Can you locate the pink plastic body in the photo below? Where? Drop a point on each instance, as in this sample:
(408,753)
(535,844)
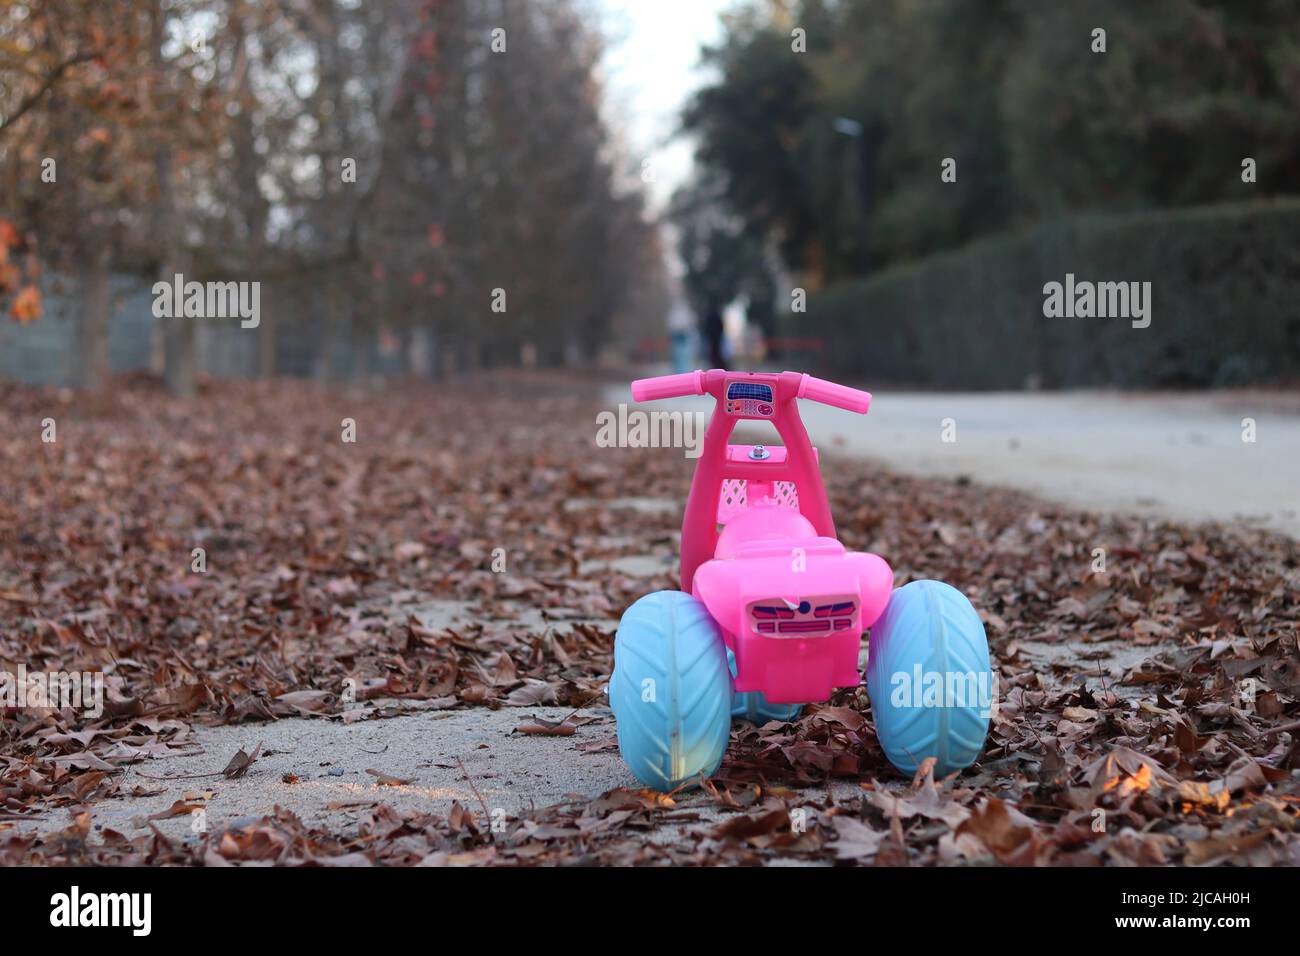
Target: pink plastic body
(791,601)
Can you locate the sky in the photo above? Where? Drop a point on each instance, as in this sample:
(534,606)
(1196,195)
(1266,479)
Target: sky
(651,67)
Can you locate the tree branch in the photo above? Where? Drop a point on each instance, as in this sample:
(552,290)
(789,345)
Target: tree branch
(50,80)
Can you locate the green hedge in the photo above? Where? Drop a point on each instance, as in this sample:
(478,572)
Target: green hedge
(1225,306)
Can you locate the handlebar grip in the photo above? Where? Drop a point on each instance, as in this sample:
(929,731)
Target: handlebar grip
(828,393)
(668,386)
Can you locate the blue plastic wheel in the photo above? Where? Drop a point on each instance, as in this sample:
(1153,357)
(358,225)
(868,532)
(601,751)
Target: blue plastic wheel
(670,690)
(754,707)
(928,676)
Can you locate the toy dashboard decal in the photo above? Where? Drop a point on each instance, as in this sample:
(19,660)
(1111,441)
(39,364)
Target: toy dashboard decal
(806,617)
(750,400)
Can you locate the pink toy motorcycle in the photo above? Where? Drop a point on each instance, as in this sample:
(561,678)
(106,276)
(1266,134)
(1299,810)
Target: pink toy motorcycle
(772,607)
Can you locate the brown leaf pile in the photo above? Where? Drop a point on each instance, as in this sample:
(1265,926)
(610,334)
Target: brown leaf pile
(1147,714)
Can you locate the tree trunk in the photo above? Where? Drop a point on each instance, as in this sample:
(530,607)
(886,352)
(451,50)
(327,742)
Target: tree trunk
(179,340)
(265,341)
(95,314)
(360,351)
(253,206)
(323,362)
(178,331)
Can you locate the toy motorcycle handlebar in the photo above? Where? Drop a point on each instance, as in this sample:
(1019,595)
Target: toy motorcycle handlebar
(840,396)
(668,386)
(699,382)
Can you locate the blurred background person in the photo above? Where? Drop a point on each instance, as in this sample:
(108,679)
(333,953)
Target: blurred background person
(681,334)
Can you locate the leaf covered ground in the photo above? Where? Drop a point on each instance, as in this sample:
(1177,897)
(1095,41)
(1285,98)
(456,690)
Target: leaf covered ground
(1148,714)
